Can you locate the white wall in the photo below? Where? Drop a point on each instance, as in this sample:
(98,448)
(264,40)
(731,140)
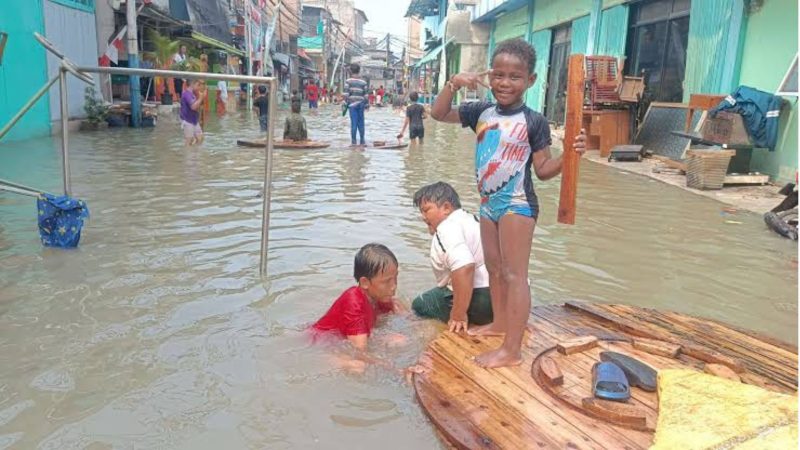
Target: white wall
(74,33)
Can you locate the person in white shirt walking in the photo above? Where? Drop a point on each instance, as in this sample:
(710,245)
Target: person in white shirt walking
(461,296)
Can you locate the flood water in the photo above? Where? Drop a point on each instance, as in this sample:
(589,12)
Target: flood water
(157,332)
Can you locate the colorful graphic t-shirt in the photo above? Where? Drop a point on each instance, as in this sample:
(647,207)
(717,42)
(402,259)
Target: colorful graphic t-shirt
(351,314)
(506,142)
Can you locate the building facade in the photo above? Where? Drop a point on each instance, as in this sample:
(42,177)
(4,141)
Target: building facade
(681,47)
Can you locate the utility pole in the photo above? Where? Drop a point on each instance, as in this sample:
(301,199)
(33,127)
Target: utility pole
(133,62)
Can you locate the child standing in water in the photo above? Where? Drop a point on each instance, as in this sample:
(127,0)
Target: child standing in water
(262,103)
(510,139)
(415,113)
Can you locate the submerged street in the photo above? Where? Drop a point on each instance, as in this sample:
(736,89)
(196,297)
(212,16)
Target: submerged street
(158,331)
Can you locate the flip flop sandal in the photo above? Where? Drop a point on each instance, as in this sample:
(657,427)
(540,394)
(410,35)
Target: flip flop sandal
(609,382)
(638,373)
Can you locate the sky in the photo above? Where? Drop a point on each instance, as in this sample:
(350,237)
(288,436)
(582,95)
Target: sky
(385,16)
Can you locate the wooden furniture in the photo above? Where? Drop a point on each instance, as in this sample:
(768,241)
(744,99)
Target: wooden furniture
(702,102)
(478,408)
(608,127)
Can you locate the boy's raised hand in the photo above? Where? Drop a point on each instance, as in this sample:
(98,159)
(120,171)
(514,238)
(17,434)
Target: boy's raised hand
(471,79)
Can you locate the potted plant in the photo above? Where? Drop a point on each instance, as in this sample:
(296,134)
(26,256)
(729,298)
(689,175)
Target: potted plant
(96,110)
(163,50)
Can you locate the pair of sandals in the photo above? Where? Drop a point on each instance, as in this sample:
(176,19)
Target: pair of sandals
(616,373)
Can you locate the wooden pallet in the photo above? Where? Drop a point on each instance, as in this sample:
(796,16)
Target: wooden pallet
(473,407)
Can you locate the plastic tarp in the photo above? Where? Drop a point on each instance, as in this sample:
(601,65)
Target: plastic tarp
(311,42)
(701,411)
(61,220)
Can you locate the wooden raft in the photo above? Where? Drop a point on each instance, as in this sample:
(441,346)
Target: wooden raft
(520,407)
(297,145)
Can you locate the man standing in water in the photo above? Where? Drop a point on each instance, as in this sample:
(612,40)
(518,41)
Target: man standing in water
(355,90)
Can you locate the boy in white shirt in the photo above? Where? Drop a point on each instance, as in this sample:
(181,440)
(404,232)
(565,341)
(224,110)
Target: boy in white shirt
(461,296)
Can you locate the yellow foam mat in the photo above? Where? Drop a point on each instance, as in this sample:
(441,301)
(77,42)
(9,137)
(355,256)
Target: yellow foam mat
(701,411)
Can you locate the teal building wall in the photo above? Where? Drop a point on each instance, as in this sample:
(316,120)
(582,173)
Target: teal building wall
(24,69)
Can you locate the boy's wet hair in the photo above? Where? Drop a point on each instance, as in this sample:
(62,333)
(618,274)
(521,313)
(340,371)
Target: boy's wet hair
(262,89)
(438,193)
(413,96)
(519,48)
(371,260)
(296,107)
(355,69)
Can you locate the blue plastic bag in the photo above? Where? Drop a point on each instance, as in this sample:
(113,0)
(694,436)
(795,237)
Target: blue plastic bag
(60,220)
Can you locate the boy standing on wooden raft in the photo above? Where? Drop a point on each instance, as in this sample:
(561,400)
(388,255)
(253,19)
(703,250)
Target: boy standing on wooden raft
(461,296)
(355,91)
(510,139)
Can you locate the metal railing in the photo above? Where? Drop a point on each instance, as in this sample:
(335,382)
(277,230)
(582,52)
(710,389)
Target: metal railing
(82,74)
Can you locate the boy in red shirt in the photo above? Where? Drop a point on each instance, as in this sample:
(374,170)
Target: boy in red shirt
(354,313)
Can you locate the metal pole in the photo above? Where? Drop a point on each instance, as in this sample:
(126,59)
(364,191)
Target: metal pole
(248,28)
(62,83)
(266,200)
(27,106)
(133,62)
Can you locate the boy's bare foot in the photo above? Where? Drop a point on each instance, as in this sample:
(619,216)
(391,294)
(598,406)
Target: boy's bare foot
(498,358)
(486,330)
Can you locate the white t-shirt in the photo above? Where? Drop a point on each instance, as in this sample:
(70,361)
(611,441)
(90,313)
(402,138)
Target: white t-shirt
(457,243)
(178,58)
(222,86)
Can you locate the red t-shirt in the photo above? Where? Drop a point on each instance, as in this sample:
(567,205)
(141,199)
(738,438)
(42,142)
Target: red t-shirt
(351,314)
(312,91)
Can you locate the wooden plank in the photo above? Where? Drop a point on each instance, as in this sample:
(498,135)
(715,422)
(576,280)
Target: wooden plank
(746,179)
(576,345)
(671,163)
(721,371)
(498,384)
(655,347)
(742,351)
(572,127)
(551,372)
(467,418)
(616,412)
(515,385)
(710,356)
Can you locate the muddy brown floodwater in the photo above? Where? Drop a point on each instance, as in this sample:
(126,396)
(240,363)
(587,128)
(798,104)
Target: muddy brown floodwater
(157,332)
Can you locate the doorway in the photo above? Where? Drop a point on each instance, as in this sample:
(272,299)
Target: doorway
(656,48)
(556,96)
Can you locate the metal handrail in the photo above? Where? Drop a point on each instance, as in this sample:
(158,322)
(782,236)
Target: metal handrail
(272,82)
(66,67)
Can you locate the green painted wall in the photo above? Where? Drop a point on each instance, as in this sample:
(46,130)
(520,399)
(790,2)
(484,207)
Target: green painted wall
(580,34)
(24,69)
(770,44)
(535,95)
(613,31)
(549,13)
(706,53)
(511,25)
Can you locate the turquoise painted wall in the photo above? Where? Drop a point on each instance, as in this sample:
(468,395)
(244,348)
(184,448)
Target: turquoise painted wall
(511,25)
(613,31)
(580,34)
(535,95)
(549,13)
(770,43)
(24,69)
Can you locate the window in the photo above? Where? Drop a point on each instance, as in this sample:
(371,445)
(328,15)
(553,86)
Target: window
(83,5)
(789,83)
(656,48)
